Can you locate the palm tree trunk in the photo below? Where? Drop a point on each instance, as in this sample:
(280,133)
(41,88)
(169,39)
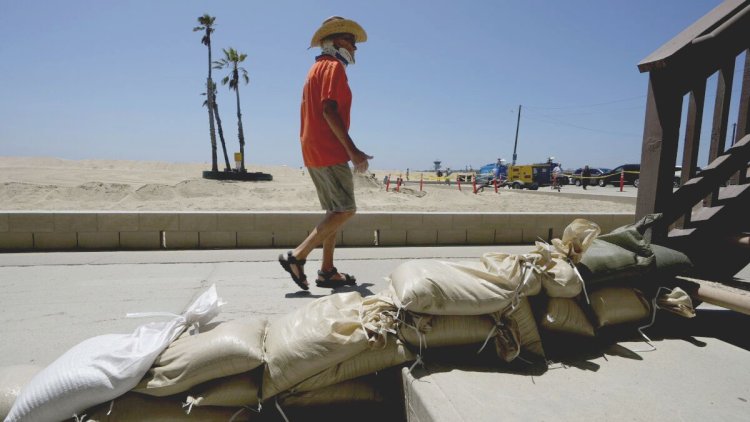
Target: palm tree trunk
(240,133)
(210,98)
(221,136)
(209,88)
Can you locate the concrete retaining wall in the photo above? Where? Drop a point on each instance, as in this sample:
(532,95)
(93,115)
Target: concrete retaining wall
(35,231)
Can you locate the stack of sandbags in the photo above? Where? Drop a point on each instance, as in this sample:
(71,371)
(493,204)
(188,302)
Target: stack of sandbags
(332,343)
(12,379)
(217,367)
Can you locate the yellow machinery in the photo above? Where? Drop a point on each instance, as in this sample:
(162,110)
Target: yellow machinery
(530,176)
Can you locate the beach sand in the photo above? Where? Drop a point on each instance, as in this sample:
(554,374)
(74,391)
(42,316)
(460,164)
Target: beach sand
(35,183)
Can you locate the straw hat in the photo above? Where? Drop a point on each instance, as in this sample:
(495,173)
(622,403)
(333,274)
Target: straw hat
(338,25)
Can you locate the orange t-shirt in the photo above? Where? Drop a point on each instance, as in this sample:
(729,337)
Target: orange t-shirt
(326,80)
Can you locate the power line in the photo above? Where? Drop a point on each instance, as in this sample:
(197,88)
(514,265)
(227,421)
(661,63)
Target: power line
(621,100)
(550,120)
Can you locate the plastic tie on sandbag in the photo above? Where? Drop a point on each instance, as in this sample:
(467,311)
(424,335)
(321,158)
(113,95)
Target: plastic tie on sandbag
(654,307)
(281,412)
(190,402)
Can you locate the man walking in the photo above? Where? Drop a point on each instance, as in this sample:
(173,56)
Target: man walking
(327,148)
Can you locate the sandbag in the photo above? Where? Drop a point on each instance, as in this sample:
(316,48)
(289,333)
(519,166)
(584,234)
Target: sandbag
(618,305)
(530,339)
(606,262)
(576,239)
(446,288)
(563,280)
(566,316)
(513,269)
(367,362)
(104,367)
(358,390)
(230,391)
(677,301)
(428,331)
(135,407)
(230,348)
(311,339)
(12,380)
(670,262)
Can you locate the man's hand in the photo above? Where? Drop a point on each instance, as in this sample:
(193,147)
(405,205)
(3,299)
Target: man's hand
(359,159)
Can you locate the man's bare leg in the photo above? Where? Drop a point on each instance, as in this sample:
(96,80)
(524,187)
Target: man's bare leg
(327,228)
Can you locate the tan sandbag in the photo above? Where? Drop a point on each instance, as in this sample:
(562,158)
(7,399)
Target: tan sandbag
(513,269)
(428,331)
(12,379)
(677,301)
(367,362)
(321,334)
(565,316)
(446,288)
(230,348)
(353,391)
(135,407)
(563,281)
(618,305)
(576,239)
(530,339)
(232,391)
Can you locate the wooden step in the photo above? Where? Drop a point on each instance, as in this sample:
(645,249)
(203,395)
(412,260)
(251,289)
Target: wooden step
(705,214)
(733,192)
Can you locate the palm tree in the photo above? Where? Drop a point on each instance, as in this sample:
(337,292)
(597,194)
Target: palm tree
(218,125)
(232,59)
(206,24)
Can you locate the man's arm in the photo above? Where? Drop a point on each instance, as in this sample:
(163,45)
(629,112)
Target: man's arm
(331,114)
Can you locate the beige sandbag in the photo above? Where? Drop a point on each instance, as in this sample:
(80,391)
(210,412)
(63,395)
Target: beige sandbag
(232,391)
(446,288)
(530,339)
(427,331)
(515,269)
(12,380)
(564,280)
(353,391)
(576,239)
(617,305)
(368,362)
(564,315)
(677,301)
(135,407)
(315,337)
(230,348)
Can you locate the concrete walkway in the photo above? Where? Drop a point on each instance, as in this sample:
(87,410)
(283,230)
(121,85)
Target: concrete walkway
(52,301)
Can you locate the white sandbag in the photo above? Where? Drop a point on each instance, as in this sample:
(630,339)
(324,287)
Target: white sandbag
(311,339)
(12,380)
(230,348)
(368,362)
(231,391)
(677,301)
(566,316)
(353,391)
(135,407)
(446,288)
(618,305)
(104,367)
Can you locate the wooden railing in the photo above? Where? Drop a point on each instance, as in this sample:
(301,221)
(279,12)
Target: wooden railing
(678,69)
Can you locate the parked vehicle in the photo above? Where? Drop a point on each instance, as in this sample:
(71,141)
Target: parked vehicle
(486,174)
(575,177)
(631,175)
(530,176)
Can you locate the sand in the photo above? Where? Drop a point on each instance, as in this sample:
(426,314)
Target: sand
(35,183)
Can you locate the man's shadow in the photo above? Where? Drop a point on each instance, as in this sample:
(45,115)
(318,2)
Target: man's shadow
(363,290)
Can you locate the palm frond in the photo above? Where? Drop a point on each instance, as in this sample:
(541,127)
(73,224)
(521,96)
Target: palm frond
(199,28)
(225,80)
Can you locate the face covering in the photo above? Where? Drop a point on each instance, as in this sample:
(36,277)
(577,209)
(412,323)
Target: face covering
(341,54)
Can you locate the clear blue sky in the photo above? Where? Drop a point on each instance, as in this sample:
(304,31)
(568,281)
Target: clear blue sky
(436,80)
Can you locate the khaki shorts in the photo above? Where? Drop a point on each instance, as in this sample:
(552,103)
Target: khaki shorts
(335,187)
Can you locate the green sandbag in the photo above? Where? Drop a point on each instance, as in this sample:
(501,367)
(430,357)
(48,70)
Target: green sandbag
(605,262)
(670,262)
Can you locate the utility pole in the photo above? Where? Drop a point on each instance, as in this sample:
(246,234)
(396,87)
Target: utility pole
(515,145)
